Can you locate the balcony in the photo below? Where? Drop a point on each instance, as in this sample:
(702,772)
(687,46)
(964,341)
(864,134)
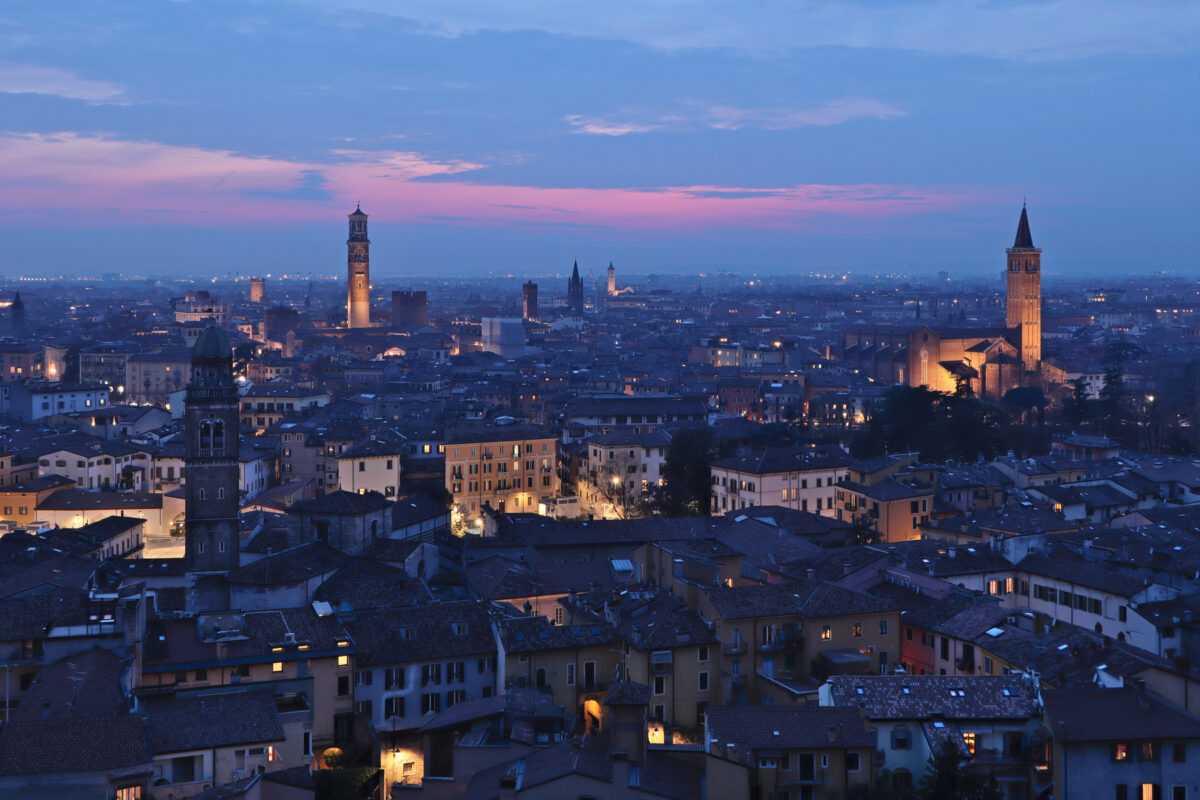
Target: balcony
(782,641)
(736,647)
(737,678)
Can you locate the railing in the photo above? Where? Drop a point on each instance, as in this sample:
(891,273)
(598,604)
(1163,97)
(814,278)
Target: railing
(735,647)
(737,678)
(782,640)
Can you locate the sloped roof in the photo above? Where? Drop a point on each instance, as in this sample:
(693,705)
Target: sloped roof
(922,696)
(787,727)
(195,722)
(1097,715)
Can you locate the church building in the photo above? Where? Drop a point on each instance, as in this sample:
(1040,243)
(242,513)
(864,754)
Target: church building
(987,361)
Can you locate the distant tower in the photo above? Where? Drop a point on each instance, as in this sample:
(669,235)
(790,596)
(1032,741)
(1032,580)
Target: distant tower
(529,309)
(612,280)
(258,290)
(575,293)
(409,310)
(18,315)
(358,269)
(211,457)
(1024,294)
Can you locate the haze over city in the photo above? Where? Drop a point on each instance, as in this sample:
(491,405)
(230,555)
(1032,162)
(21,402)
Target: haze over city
(187,138)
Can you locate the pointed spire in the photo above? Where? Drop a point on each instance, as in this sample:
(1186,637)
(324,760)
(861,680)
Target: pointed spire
(1024,237)
(575,272)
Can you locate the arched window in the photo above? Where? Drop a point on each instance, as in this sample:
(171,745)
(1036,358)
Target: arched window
(218,435)
(924,367)
(206,436)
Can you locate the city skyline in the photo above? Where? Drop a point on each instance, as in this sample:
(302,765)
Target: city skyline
(235,139)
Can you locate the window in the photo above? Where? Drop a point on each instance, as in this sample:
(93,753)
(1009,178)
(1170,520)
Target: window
(702,653)
(431,703)
(431,674)
(1120,751)
(363,707)
(703,681)
(394,678)
(660,684)
(277,666)
(901,739)
(883,627)
(969,741)
(1178,750)
(570,674)
(343,685)
(856,629)
(307,742)
(853,762)
(1149,791)
(343,661)
(1178,793)
(363,677)
(824,760)
(1149,751)
(826,632)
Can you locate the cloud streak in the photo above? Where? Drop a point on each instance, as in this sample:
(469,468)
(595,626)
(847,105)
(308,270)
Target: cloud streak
(1046,30)
(102,180)
(732,118)
(31,79)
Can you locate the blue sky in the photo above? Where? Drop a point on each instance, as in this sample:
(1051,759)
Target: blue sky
(194,138)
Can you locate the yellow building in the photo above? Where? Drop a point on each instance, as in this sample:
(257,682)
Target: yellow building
(508,467)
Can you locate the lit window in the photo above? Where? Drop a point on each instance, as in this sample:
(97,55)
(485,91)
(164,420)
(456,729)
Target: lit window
(826,632)
(343,661)
(969,741)
(277,666)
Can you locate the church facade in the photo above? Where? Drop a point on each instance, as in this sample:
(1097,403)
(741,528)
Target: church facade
(986,361)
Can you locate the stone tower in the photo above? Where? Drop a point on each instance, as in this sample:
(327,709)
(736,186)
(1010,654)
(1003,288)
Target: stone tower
(529,305)
(358,272)
(575,293)
(211,457)
(612,280)
(258,290)
(1024,294)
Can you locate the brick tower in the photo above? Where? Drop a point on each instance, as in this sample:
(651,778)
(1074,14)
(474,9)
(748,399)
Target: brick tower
(1024,295)
(358,269)
(211,457)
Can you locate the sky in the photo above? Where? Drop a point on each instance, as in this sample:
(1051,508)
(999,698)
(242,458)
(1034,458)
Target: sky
(198,138)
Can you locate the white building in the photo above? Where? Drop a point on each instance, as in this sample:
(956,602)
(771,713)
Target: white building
(801,478)
(33,401)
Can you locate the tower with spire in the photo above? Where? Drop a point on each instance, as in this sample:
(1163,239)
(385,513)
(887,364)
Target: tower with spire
(575,293)
(1024,294)
(358,272)
(612,280)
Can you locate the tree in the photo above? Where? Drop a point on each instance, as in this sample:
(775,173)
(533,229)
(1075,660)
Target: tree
(687,486)
(616,482)
(1021,400)
(1078,405)
(865,530)
(950,776)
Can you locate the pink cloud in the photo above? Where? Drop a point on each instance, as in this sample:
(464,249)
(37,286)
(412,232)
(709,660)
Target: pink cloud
(106,180)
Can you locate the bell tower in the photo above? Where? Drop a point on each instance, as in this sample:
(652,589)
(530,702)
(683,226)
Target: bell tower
(1024,294)
(358,271)
(211,458)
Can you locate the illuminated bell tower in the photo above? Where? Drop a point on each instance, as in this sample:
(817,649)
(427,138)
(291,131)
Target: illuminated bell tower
(1024,295)
(358,272)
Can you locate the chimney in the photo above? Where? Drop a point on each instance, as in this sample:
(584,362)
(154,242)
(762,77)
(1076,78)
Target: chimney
(810,573)
(833,734)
